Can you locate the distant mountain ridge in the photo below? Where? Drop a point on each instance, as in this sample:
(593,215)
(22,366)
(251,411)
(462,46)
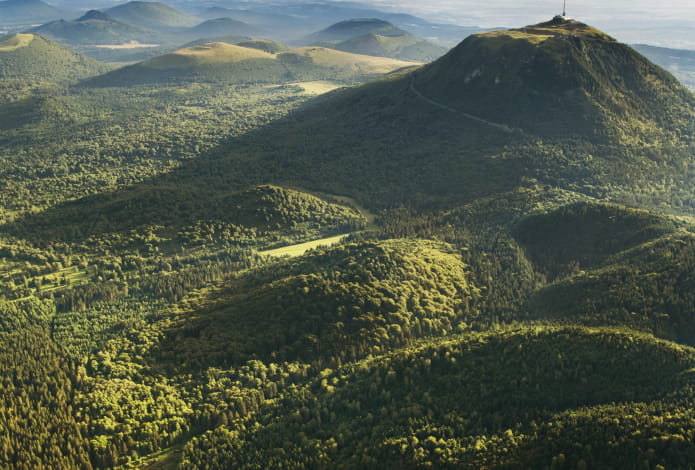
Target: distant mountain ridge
(152,15)
(372,36)
(94,27)
(353,28)
(404,46)
(258,62)
(681,63)
(94,15)
(293,21)
(224,27)
(29,11)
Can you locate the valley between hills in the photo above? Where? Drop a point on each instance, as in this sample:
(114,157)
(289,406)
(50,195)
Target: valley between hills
(359,250)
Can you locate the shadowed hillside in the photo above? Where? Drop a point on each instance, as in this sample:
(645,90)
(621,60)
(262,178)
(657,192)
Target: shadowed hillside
(649,288)
(201,214)
(585,234)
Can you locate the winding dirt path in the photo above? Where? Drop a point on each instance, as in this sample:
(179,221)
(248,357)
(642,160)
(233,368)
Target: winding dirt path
(502,127)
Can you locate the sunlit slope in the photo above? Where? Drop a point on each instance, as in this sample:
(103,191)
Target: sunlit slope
(220,61)
(212,61)
(207,54)
(335,304)
(337,63)
(266,45)
(509,399)
(31,57)
(16,41)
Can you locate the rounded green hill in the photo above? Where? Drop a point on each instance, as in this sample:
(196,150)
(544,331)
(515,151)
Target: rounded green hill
(30,56)
(559,78)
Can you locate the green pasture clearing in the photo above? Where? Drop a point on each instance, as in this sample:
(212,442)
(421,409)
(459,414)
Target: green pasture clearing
(301,248)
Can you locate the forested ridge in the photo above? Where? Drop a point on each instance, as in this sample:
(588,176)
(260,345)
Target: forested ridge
(471,402)
(498,300)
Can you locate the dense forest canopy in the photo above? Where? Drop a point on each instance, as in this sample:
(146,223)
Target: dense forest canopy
(483,262)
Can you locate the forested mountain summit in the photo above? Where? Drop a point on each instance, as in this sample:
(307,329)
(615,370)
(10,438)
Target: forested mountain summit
(559,103)
(592,116)
(558,78)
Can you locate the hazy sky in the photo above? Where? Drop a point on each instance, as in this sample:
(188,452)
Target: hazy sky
(511,10)
(670,22)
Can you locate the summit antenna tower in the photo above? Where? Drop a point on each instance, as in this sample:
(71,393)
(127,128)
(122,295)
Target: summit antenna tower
(562,17)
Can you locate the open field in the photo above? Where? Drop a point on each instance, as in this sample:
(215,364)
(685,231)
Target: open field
(130,45)
(318,87)
(301,248)
(15,42)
